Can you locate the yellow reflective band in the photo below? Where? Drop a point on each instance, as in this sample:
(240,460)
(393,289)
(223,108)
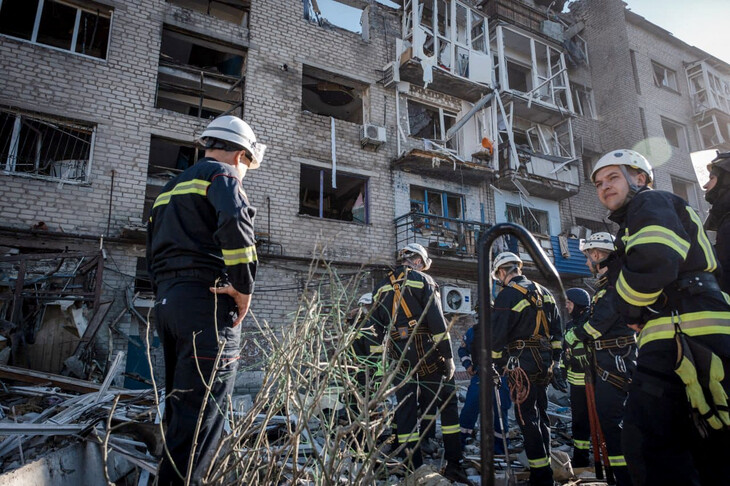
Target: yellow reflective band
(240,255)
(660,235)
(616,461)
(413,437)
(384,288)
(575,378)
(520,306)
(582,444)
(196,186)
(428,417)
(703,241)
(413,283)
(632,296)
(556,344)
(693,324)
(496,355)
(548,298)
(376,349)
(598,295)
(542,462)
(595,333)
(450,429)
(442,336)
(570,337)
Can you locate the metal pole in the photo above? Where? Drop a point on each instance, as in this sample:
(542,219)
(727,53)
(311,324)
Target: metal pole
(548,271)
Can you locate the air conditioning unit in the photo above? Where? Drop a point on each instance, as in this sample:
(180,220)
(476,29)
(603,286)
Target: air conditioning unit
(372,135)
(456,300)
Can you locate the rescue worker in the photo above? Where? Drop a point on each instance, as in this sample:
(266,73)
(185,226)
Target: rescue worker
(611,347)
(527,335)
(676,421)
(423,350)
(201,254)
(574,360)
(718,194)
(470,410)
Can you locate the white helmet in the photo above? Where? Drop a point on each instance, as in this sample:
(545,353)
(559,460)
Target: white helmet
(365,299)
(503,259)
(625,157)
(415,248)
(600,241)
(232,129)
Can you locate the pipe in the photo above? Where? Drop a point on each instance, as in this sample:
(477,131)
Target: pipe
(111,196)
(486,391)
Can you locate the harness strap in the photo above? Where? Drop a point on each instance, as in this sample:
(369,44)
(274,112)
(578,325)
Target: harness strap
(616,380)
(536,300)
(620,342)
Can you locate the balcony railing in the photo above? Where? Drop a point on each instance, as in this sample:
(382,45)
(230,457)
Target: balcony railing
(441,236)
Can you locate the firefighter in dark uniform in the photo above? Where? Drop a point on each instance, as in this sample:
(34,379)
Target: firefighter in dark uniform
(574,361)
(527,335)
(718,194)
(676,419)
(405,297)
(611,346)
(201,255)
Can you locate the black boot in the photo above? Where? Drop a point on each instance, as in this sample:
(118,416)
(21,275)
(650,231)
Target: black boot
(454,471)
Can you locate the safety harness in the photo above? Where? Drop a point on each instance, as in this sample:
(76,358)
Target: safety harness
(400,332)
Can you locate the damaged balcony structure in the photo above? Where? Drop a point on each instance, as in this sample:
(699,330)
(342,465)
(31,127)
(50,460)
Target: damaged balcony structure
(709,87)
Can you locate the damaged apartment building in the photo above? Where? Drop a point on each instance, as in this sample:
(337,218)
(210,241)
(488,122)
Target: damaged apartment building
(387,122)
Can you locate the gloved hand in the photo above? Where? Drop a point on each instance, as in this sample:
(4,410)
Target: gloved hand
(449,368)
(558,380)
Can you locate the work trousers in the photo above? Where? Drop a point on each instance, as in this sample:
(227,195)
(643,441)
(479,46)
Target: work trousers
(442,392)
(470,412)
(610,401)
(535,427)
(188,316)
(581,426)
(661,444)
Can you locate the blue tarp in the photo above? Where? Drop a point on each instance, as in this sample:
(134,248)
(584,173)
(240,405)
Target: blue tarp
(575,265)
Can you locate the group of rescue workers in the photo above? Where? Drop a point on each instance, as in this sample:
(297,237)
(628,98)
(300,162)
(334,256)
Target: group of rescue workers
(647,357)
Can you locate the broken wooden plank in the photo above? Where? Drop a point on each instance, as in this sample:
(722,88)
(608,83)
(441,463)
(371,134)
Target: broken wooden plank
(41,378)
(7,428)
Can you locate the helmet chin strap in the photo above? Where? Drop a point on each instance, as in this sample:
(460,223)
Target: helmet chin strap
(594,265)
(633,188)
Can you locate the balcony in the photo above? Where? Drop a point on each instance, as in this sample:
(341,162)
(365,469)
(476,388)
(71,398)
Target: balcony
(709,89)
(541,175)
(451,243)
(442,164)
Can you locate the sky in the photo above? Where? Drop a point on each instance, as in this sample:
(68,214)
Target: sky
(701,23)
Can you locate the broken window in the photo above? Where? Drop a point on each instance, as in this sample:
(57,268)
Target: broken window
(664,77)
(686,190)
(437,203)
(519,77)
(534,220)
(589,161)
(712,132)
(77,27)
(167,159)
(583,101)
(335,13)
(327,94)
(430,122)
(675,134)
(199,77)
(346,202)
(46,146)
(234,11)
(592,225)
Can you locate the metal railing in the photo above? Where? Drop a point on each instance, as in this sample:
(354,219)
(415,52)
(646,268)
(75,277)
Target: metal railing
(441,236)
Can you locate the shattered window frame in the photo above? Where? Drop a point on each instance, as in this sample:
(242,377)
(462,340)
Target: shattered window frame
(319,204)
(534,220)
(664,77)
(327,83)
(685,189)
(444,198)
(195,87)
(712,133)
(679,135)
(223,11)
(583,101)
(36,135)
(446,119)
(317,14)
(50,20)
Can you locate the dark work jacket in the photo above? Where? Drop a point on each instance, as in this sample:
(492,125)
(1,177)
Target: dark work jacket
(722,247)
(660,240)
(421,296)
(603,322)
(514,318)
(202,222)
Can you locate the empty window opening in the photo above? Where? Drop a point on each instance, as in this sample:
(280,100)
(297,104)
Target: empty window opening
(167,159)
(664,77)
(234,11)
(347,202)
(430,122)
(45,146)
(198,77)
(534,220)
(63,25)
(589,161)
(519,77)
(675,134)
(583,101)
(686,190)
(327,94)
(334,13)
(437,203)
